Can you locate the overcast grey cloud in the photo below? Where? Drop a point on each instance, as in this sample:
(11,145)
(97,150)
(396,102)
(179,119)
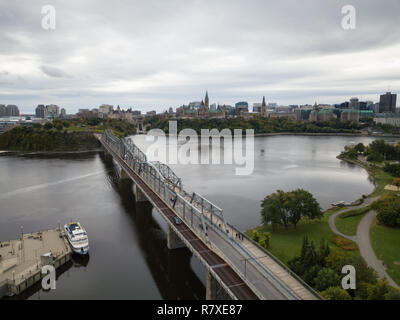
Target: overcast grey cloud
(160,54)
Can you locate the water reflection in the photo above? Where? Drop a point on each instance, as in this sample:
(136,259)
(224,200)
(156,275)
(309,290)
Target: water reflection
(170,269)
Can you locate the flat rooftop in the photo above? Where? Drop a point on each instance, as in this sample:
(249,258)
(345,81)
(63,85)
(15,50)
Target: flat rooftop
(20,258)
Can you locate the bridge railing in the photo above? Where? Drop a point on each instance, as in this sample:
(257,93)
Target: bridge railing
(205,218)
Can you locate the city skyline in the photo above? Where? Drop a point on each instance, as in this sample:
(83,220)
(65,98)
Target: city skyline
(160,55)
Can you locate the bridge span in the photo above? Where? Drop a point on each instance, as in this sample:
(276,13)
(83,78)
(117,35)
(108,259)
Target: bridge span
(237,268)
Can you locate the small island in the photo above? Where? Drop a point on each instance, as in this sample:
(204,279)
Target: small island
(62,135)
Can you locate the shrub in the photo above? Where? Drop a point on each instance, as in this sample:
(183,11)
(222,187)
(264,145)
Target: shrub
(326,278)
(336,293)
(392,168)
(355,212)
(388,209)
(344,243)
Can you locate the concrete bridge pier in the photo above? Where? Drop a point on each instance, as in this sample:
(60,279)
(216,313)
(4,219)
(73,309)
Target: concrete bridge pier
(106,153)
(214,291)
(173,241)
(123,174)
(139,195)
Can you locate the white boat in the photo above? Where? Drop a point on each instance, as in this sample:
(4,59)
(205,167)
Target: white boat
(77,238)
(339,204)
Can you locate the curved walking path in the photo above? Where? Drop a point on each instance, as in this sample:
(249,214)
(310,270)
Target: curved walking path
(332,218)
(362,239)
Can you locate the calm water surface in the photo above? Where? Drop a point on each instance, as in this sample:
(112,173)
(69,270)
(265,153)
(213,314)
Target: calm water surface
(128,255)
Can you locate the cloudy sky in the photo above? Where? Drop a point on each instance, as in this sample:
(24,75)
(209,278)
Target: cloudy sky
(159,54)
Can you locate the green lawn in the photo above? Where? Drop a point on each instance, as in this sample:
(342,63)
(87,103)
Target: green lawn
(286,243)
(381,179)
(386,244)
(347,222)
(348,226)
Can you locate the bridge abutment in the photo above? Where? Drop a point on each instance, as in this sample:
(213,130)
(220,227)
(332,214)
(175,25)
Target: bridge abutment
(173,241)
(214,291)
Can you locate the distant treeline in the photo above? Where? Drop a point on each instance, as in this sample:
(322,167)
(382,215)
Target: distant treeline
(258,124)
(45,139)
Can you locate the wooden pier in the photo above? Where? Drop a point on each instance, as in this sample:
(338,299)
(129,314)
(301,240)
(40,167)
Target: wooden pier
(21,260)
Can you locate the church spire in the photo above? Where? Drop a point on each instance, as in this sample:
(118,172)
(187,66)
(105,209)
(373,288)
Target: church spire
(206,101)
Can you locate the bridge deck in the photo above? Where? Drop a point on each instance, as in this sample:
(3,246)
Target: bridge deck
(226,274)
(266,260)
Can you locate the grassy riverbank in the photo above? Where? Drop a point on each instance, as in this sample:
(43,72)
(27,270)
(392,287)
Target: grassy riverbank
(285,244)
(385,242)
(377,175)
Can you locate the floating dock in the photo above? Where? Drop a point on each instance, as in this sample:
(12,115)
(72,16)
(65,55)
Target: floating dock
(21,260)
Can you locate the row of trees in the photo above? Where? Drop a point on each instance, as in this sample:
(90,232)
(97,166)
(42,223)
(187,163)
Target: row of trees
(258,124)
(288,208)
(41,139)
(376,151)
(321,267)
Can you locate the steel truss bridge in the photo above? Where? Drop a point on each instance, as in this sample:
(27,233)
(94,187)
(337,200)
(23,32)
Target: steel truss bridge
(237,267)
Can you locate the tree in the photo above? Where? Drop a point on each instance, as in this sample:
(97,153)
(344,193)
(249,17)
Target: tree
(58,126)
(388,209)
(48,126)
(289,207)
(336,293)
(265,240)
(392,294)
(393,169)
(273,209)
(326,278)
(310,261)
(360,148)
(378,291)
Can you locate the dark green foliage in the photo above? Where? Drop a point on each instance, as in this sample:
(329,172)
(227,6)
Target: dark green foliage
(336,293)
(284,208)
(326,278)
(322,269)
(360,148)
(379,151)
(48,126)
(264,239)
(259,124)
(388,209)
(34,139)
(311,260)
(393,169)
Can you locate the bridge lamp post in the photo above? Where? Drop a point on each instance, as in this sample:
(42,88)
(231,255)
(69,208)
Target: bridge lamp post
(246,259)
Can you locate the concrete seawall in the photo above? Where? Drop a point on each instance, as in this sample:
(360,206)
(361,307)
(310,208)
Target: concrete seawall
(21,260)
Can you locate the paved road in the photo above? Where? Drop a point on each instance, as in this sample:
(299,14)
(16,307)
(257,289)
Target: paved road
(362,238)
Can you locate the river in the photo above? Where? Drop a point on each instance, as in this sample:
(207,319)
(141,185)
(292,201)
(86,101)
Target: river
(128,256)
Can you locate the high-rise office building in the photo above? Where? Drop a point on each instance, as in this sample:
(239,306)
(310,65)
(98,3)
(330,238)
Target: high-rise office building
(2,110)
(41,111)
(12,110)
(354,104)
(53,111)
(387,102)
